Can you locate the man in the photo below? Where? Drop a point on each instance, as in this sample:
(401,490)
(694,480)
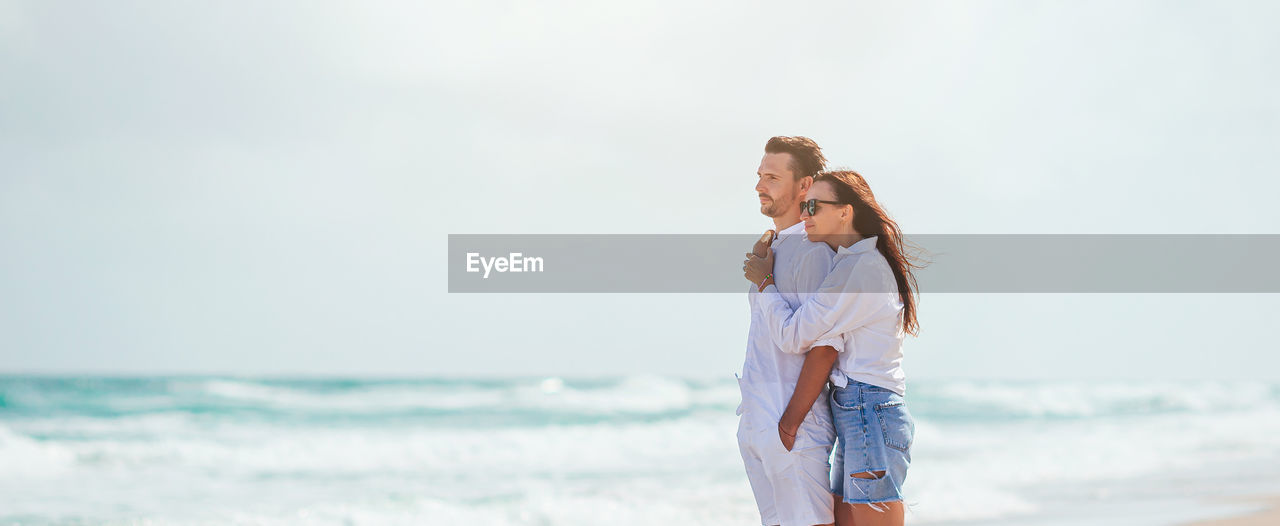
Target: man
(785,432)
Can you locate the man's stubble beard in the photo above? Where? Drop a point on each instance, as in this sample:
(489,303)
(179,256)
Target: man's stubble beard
(775,207)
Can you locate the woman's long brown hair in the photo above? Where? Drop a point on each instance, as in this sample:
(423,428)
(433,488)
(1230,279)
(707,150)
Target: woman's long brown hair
(870,219)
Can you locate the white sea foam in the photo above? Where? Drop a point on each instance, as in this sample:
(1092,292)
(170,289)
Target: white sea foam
(639,394)
(643,394)
(664,463)
(22,456)
(377,397)
(1089,399)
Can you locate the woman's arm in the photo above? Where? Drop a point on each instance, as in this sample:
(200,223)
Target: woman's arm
(810,271)
(813,377)
(844,302)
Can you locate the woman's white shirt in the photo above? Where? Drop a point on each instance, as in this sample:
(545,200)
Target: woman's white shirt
(858,305)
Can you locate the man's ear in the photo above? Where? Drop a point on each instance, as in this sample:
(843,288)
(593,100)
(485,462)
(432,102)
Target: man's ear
(805,183)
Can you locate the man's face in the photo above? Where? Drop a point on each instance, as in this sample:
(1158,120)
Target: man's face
(778,188)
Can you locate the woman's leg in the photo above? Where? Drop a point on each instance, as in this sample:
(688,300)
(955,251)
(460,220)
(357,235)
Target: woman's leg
(844,512)
(889,514)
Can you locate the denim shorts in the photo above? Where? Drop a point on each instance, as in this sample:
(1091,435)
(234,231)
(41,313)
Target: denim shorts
(874,432)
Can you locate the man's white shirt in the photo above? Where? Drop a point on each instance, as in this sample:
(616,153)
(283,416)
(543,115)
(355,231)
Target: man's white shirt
(769,374)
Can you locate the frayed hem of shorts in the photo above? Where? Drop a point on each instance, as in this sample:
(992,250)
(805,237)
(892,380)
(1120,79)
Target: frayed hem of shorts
(847,501)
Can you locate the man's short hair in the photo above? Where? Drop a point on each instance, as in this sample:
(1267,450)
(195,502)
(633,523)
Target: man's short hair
(806,156)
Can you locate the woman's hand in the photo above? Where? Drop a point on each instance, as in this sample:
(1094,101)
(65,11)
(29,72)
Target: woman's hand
(759,270)
(788,438)
(761,248)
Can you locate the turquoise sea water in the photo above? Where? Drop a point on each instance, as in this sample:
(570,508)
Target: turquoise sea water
(632,450)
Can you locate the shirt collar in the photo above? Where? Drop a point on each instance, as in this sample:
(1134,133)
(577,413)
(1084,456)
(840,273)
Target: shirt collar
(865,245)
(793,229)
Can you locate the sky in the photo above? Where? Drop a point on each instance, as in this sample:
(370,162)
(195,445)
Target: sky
(196,188)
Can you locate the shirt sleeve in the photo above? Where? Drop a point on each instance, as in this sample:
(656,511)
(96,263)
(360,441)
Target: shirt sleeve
(811,272)
(838,306)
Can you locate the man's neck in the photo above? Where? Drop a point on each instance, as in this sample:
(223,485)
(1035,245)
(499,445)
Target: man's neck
(784,222)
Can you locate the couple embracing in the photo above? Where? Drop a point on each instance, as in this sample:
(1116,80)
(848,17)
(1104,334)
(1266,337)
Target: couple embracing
(831,297)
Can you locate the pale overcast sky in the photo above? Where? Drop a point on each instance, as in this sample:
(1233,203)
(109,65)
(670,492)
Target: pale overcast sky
(193,187)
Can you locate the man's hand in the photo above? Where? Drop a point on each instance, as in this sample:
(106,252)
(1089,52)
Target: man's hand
(788,437)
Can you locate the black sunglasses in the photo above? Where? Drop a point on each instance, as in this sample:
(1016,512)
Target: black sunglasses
(811,206)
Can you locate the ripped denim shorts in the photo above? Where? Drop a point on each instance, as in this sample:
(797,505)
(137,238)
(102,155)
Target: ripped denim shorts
(874,432)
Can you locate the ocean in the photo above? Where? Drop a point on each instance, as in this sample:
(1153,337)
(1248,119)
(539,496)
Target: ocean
(577,451)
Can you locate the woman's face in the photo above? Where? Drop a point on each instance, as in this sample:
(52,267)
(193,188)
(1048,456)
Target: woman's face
(827,221)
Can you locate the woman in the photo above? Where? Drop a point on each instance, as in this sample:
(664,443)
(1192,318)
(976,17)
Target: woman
(868,303)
